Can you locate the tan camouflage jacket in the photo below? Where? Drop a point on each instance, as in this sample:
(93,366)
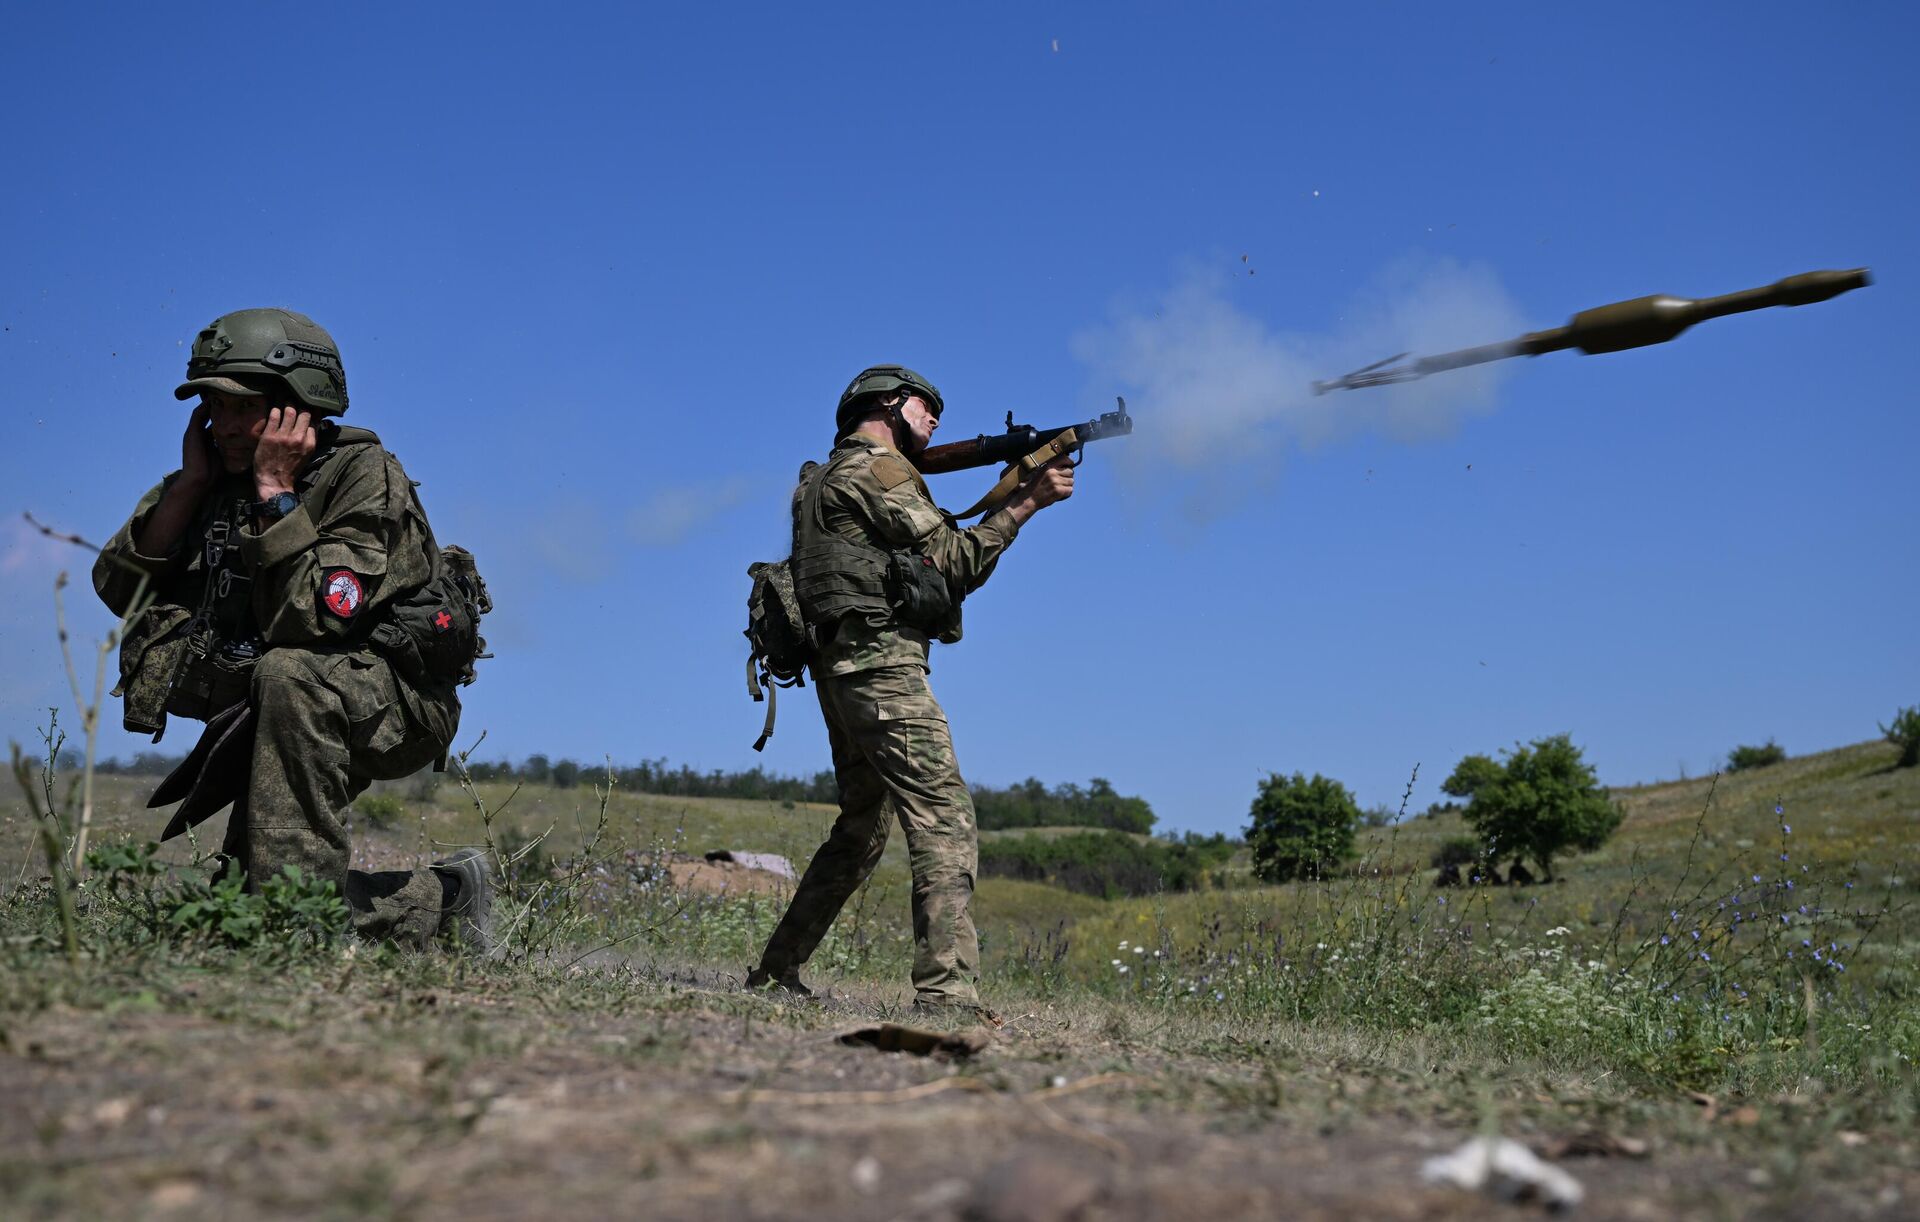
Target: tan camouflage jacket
(876,497)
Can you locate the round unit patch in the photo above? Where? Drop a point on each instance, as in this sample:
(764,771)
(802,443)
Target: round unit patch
(340,592)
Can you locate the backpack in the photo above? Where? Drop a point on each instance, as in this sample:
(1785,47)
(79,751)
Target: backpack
(779,645)
(431,636)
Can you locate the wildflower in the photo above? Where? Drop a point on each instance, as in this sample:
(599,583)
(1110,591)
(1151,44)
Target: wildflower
(1756,878)
(1219,996)
(1783,857)
(1703,954)
(1139,950)
(1676,916)
(1696,935)
(1123,969)
(1803,911)
(1777,808)
(1116,963)
(1664,939)
(1786,829)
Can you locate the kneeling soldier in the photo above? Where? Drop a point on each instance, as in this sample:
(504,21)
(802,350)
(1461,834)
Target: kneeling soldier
(291,573)
(879,570)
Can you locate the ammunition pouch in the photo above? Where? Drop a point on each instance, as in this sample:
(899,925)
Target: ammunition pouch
(919,593)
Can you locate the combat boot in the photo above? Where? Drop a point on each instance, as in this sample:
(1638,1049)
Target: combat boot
(932,1009)
(470,914)
(787,980)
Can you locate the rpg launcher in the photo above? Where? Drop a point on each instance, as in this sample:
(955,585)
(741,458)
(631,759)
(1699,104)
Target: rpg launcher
(1612,328)
(1024,448)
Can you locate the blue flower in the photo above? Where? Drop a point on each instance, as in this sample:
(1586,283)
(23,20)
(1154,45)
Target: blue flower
(1696,935)
(1756,878)
(1786,828)
(1664,939)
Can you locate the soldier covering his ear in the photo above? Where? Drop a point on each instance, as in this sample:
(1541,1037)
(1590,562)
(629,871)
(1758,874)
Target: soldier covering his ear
(278,560)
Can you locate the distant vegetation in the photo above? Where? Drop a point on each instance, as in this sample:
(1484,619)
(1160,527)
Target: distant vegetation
(1904,733)
(1302,828)
(1032,804)
(1108,864)
(1544,801)
(1740,759)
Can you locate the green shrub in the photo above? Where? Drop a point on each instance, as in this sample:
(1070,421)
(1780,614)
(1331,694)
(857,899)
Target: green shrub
(380,809)
(1457,851)
(290,910)
(1301,828)
(1545,801)
(1469,775)
(1743,758)
(1904,733)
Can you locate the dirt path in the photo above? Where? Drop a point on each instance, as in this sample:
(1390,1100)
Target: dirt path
(198,1095)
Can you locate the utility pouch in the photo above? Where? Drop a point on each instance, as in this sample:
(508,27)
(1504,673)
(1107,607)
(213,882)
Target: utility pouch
(151,654)
(918,592)
(432,636)
(213,682)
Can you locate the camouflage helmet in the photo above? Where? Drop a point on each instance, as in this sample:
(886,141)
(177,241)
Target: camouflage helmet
(883,380)
(276,343)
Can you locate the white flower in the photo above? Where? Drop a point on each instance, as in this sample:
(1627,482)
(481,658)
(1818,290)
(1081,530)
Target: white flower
(1558,931)
(1116,963)
(1139,950)
(1123,969)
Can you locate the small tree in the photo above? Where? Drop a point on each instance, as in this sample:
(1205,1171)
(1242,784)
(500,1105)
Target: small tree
(1742,758)
(1301,828)
(1904,733)
(566,774)
(1545,801)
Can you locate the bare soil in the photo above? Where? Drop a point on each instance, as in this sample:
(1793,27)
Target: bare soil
(370,1088)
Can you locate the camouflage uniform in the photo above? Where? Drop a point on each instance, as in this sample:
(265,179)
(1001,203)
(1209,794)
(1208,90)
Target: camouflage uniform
(892,752)
(331,714)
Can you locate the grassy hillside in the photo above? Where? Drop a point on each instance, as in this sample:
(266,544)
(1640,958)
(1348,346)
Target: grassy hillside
(1248,1051)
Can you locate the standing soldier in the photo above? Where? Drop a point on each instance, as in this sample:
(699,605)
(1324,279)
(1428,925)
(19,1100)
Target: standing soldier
(879,571)
(299,606)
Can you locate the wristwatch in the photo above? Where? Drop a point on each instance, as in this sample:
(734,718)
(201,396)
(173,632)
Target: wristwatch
(277,506)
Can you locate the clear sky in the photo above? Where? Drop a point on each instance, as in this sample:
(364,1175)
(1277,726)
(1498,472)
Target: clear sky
(599,274)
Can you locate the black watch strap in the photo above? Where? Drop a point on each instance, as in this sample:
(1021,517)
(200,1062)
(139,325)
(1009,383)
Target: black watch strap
(277,506)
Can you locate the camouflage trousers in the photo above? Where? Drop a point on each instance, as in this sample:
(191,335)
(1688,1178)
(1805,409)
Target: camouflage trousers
(893,759)
(327,725)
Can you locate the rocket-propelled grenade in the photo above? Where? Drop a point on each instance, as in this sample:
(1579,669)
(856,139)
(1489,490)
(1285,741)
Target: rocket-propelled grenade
(1612,328)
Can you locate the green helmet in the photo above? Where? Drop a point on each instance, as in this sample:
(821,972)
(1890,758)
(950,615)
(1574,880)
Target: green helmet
(883,380)
(277,343)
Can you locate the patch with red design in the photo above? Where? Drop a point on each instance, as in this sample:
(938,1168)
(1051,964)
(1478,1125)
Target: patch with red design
(442,620)
(340,592)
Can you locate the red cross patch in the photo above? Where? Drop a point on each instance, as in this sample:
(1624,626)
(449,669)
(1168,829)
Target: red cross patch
(442,621)
(341,593)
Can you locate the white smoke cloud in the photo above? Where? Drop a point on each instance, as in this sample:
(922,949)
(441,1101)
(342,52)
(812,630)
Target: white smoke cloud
(670,515)
(1211,385)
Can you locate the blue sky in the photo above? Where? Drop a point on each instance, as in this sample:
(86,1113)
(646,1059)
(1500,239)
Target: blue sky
(599,273)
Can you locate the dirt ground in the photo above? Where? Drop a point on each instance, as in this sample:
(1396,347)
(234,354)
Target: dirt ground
(368,1091)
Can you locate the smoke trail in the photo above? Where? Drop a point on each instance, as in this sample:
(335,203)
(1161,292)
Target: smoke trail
(1210,384)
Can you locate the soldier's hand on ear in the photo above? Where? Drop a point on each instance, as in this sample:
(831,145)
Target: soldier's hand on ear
(282,450)
(197,462)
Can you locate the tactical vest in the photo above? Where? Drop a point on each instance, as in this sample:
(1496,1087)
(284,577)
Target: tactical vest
(833,576)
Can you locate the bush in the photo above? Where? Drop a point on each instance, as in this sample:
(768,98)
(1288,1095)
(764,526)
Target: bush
(1904,733)
(1741,759)
(1456,851)
(1107,864)
(380,809)
(1301,828)
(1545,801)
